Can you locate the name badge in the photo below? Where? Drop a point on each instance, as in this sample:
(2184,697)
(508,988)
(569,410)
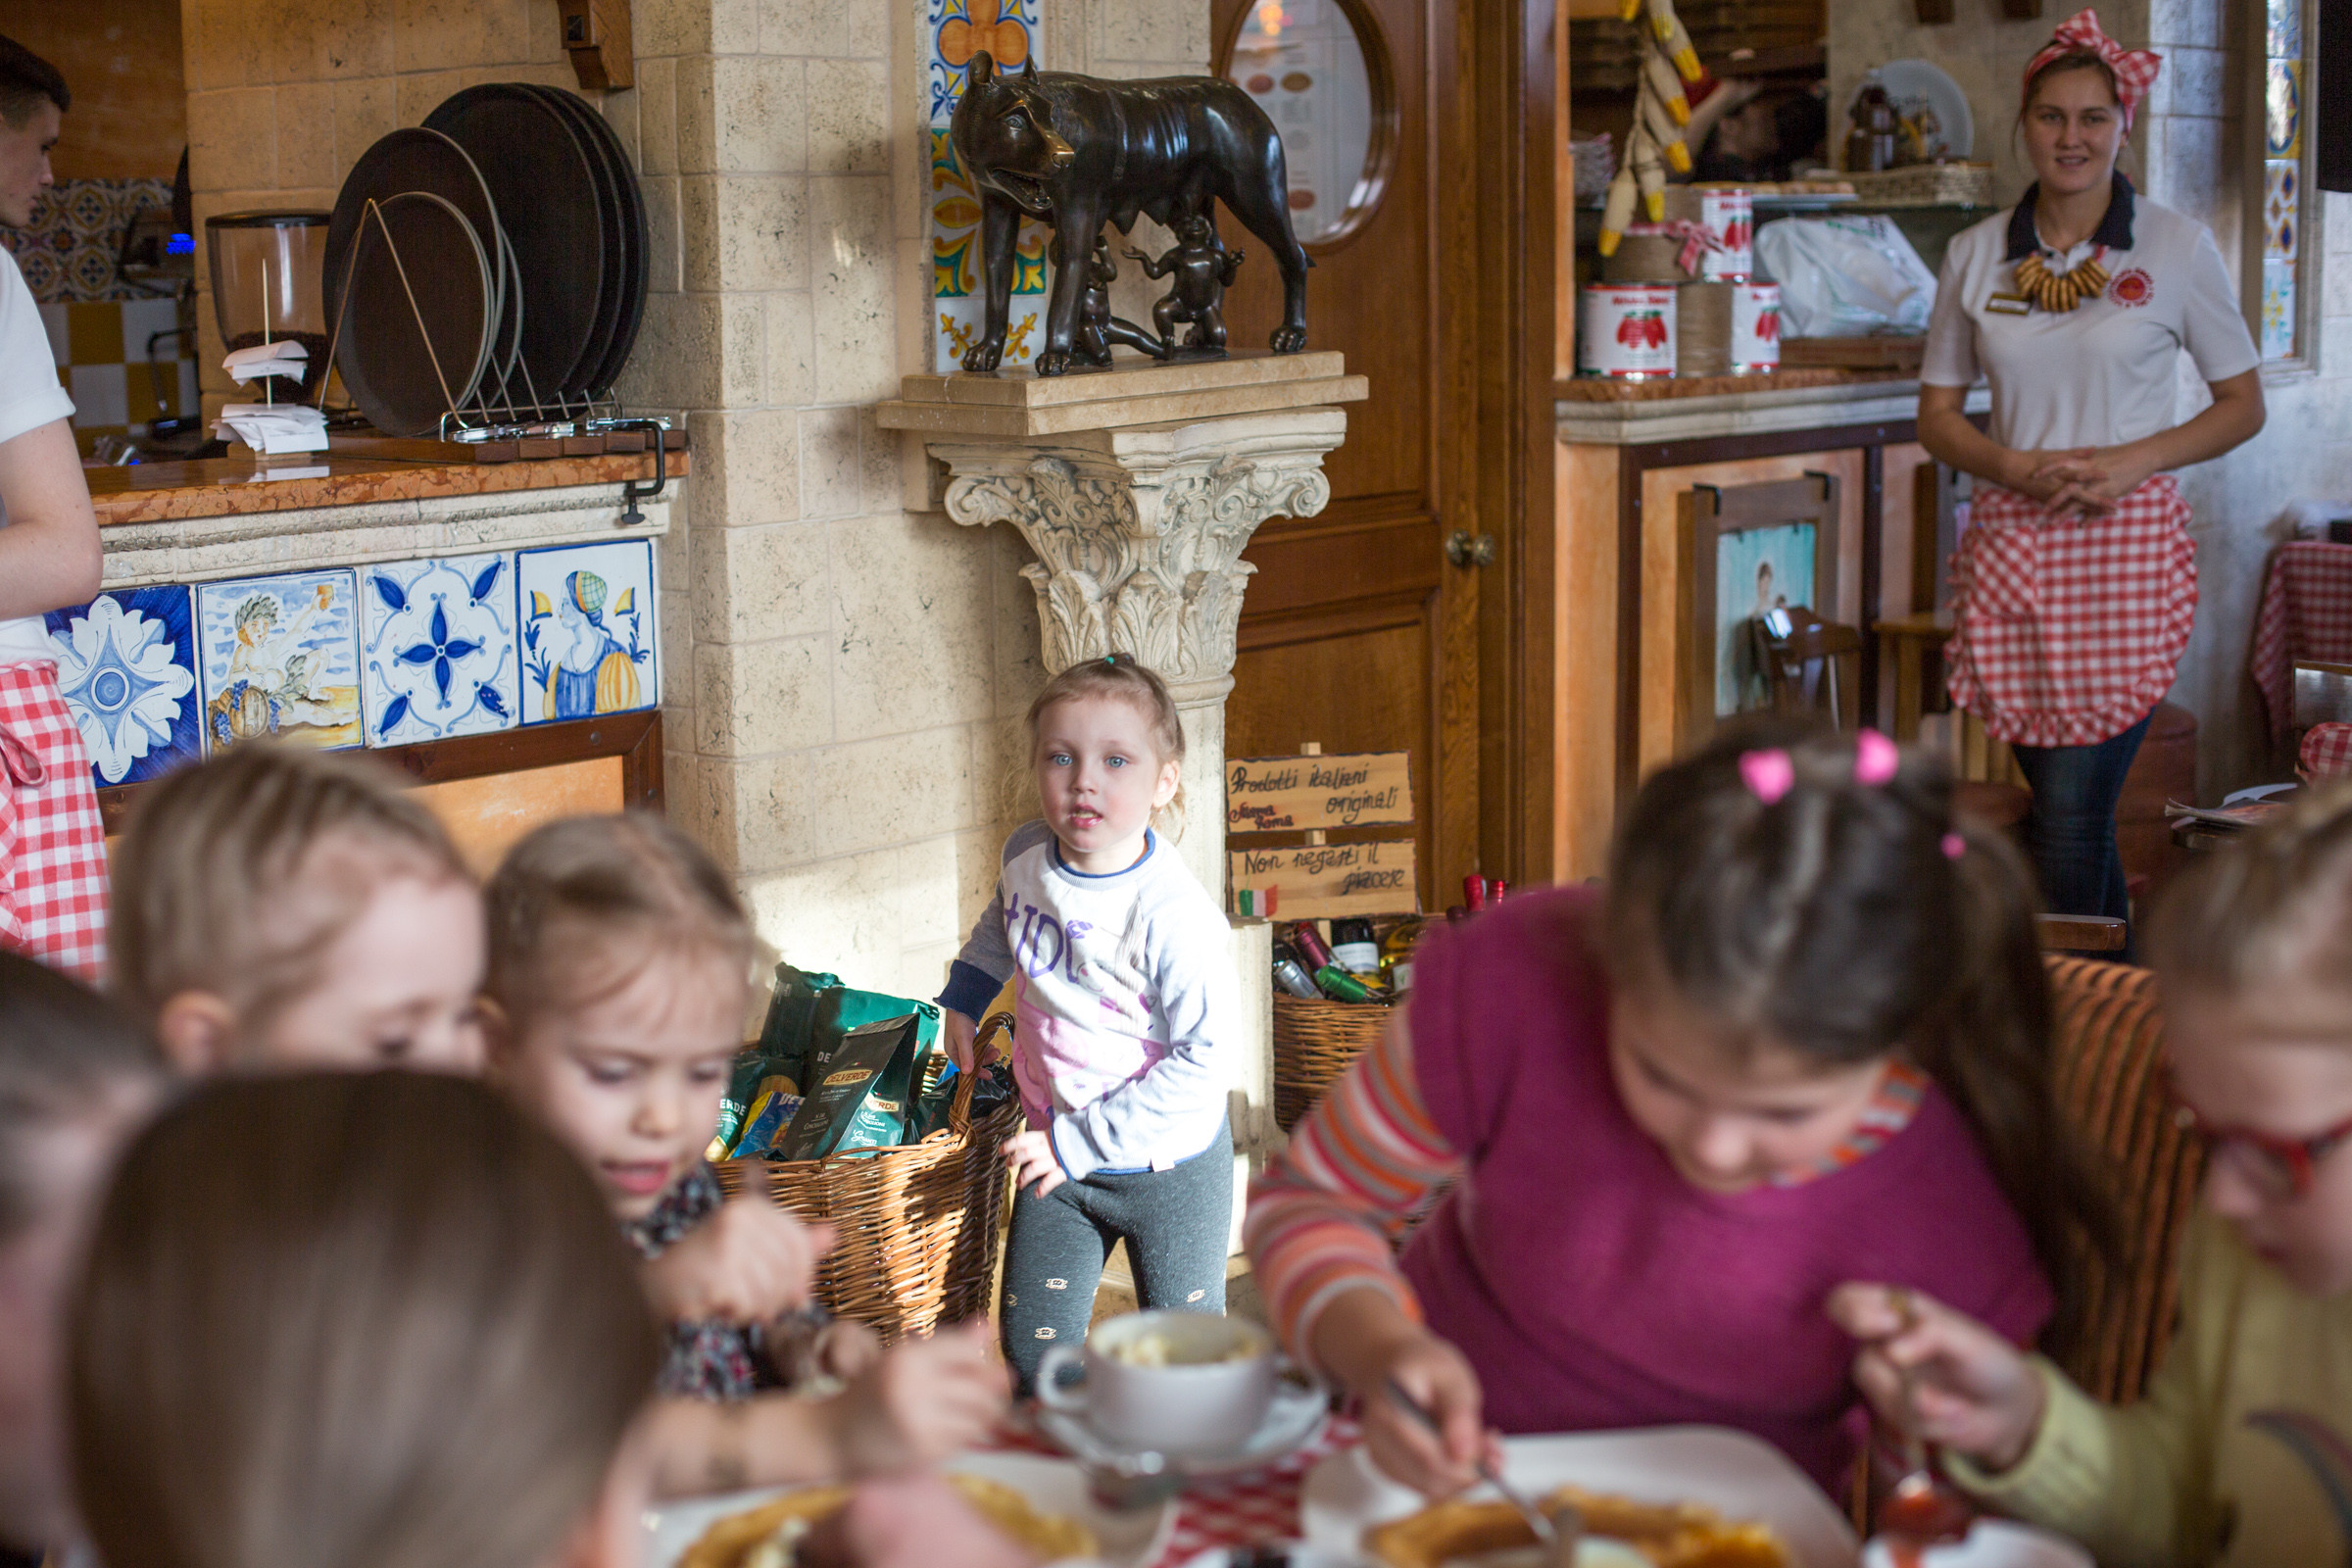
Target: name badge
(2009,305)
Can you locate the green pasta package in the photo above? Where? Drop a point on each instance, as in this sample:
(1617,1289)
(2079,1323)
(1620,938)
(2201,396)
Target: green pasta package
(860,1085)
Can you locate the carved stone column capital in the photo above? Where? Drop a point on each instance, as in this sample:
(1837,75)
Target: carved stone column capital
(1139,530)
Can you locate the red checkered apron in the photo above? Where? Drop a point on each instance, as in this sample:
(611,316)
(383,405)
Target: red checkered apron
(2069,629)
(53,875)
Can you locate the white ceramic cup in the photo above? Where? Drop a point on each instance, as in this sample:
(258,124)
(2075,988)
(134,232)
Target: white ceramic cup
(1210,1400)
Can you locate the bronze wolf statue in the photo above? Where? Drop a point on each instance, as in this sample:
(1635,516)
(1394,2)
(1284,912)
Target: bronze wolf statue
(1076,152)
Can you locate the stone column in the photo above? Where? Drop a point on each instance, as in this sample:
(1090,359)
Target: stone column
(1139,533)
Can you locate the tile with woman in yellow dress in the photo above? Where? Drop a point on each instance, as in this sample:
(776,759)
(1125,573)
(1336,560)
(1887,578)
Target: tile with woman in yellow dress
(588,632)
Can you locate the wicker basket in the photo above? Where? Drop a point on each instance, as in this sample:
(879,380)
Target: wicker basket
(1314,1040)
(919,1224)
(1926,185)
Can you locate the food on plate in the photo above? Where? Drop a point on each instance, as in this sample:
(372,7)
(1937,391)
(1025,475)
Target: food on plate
(771,1535)
(1156,1348)
(1685,1535)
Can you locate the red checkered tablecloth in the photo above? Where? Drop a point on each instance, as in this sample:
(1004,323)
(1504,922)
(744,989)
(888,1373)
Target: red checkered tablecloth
(2328,752)
(1240,1512)
(2306,613)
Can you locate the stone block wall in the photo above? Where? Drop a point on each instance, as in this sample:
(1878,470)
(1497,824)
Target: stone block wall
(2188,151)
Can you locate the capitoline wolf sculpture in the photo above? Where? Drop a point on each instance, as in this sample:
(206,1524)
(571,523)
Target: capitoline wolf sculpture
(1076,152)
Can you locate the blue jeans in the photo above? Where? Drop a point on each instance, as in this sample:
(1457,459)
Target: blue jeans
(2070,834)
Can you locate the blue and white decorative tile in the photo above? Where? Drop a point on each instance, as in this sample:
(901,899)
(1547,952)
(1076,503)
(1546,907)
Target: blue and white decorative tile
(589,638)
(438,654)
(126,666)
(280,656)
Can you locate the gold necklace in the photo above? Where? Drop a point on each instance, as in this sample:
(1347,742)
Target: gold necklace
(2061,292)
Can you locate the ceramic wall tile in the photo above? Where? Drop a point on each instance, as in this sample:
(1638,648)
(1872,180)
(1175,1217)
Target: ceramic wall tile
(590,642)
(1007,32)
(280,656)
(2277,335)
(2284,28)
(126,666)
(2281,181)
(2282,110)
(439,655)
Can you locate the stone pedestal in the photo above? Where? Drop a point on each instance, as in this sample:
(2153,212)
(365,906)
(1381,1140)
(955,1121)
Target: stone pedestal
(1137,490)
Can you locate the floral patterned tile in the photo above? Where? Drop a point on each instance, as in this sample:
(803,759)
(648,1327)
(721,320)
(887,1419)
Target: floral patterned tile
(438,654)
(280,656)
(126,666)
(590,642)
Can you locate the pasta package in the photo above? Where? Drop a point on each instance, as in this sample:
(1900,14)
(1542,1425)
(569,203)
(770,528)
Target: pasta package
(860,1087)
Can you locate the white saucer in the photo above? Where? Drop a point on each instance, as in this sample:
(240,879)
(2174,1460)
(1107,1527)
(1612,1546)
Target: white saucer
(1294,1419)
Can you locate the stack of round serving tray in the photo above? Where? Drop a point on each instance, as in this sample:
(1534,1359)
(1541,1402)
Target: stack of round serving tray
(514,294)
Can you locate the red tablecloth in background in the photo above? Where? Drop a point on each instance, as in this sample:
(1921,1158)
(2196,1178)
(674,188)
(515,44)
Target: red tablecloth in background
(2306,613)
(2328,752)
(1229,1513)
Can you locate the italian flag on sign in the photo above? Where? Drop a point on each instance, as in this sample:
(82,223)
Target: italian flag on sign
(1258,902)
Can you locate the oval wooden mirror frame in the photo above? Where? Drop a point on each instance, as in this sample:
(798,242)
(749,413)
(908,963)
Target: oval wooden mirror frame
(1380,83)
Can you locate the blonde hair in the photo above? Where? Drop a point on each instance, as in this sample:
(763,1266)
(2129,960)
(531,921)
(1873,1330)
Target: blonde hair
(351,1320)
(1117,677)
(2262,915)
(225,883)
(631,876)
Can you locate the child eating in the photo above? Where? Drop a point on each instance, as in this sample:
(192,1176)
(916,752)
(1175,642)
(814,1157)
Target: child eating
(1802,1037)
(619,976)
(278,907)
(2237,1454)
(1128,993)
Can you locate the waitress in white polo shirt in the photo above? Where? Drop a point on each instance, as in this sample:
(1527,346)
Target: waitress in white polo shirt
(2076,583)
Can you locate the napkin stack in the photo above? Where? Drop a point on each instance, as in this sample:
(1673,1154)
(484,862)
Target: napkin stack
(286,356)
(274,427)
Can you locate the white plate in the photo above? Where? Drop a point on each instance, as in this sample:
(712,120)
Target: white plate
(1730,1471)
(1994,1544)
(1298,1554)
(1915,84)
(1051,1485)
(1293,1420)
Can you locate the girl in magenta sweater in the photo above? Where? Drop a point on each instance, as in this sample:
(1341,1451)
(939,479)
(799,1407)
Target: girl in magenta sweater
(1801,1037)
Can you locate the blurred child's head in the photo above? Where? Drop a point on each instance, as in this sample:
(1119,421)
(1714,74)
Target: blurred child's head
(2252,945)
(619,973)
(277,907)
(75,1079)
(1792,910)
(347,1318)
(1108,751)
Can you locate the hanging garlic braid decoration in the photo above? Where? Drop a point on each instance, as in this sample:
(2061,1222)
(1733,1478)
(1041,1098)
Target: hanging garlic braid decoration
(2064,291)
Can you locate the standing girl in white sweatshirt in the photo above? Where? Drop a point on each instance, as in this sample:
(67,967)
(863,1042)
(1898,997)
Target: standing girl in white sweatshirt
(1127,992)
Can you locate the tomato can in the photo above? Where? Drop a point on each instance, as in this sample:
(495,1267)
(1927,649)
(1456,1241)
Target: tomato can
(1626,330)
(1728,214)
(1755,327)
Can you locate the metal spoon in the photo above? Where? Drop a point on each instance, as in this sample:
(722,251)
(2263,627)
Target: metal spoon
(1542,1526)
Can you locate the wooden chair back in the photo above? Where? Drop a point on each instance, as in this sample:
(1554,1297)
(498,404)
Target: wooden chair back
(2110,1078)
(1807,669)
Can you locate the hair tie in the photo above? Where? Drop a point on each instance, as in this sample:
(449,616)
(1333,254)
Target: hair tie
(2135,68)
(1769,775)
(1110,659)
(1954,846)
(1876,758)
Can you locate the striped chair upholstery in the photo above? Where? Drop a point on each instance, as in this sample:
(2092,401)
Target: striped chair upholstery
(2110,1078)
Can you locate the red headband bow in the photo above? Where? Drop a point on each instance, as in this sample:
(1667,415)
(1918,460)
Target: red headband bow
(2135,68)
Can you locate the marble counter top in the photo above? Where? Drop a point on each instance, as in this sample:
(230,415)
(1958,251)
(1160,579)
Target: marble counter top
(220,487)
(1604,414)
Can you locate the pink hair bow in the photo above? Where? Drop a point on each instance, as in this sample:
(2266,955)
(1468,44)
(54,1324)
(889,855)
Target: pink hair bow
(1769,775)
(1876,760)
(2135,68)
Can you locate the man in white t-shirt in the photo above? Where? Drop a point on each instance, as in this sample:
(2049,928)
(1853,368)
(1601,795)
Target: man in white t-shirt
(53,885)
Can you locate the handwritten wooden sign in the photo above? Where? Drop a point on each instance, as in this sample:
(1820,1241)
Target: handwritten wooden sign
(1288,794)
(1325,881)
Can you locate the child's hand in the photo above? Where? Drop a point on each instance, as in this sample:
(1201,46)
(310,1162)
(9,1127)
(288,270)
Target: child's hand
(746,1263)
(962,1036)
(1938,1373)
(1439,1463)
(909,1522)
(1031,1156)
(921,1401)
(846,1349)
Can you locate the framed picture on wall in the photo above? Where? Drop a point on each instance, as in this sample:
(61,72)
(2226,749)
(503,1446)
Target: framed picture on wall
(1746,551)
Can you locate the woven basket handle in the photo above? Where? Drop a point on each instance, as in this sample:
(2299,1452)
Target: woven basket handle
(960,1111)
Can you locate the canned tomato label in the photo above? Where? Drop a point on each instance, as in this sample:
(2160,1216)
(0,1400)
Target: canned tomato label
(1730,215)
(1755,326)
(1626,330)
